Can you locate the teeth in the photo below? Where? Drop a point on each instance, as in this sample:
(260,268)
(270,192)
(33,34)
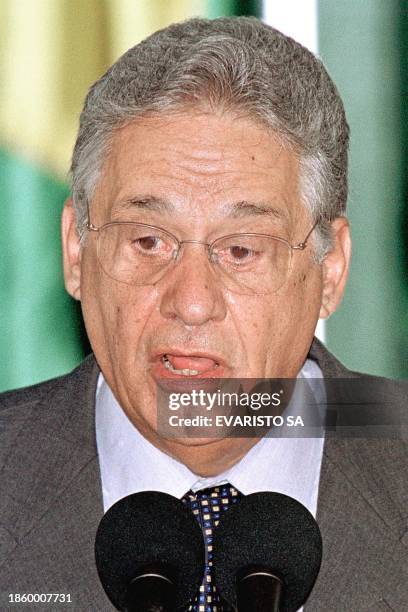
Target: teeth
(184,372)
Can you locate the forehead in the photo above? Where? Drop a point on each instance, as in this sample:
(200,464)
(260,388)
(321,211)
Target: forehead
(202,162)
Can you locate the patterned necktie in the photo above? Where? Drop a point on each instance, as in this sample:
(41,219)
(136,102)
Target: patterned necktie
(208,505)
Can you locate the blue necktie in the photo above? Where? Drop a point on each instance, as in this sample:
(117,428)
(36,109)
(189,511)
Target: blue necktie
(208,505)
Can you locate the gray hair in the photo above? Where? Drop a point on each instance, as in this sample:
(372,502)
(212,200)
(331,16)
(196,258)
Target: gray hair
(234,64)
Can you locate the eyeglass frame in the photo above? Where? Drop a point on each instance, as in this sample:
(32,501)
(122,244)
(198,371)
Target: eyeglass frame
(296,247)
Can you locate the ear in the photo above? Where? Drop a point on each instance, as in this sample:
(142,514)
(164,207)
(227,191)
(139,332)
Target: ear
(71,250)
(335,268)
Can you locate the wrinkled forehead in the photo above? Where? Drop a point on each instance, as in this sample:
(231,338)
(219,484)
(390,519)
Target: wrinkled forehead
(182,162)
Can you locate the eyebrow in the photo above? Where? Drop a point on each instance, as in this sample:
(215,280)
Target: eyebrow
(251,209)
(150,203)
(236,210)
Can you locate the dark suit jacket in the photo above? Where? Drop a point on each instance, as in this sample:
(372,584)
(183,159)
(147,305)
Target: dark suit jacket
(51,503)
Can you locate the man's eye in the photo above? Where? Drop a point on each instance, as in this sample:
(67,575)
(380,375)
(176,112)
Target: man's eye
(153,246)
(149,243)
(240,253)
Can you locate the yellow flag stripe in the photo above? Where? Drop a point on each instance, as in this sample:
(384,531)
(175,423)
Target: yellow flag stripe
(51,50)
(132,21)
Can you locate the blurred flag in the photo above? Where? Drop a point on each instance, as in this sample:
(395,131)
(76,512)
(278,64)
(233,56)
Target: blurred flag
(52,50)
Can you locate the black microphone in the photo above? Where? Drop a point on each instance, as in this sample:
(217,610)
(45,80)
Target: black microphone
(267,554)
(149,552)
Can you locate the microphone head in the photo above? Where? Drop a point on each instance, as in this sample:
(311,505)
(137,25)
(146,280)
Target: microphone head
(147,530)
(274,531)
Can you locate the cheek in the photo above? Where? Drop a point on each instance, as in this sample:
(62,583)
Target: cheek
(257,321)
(115,314)
(128,317)
(100,315)
(303,299)
(283,317)
(123,314)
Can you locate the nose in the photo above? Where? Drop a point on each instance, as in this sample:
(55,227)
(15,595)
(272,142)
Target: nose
(192,292)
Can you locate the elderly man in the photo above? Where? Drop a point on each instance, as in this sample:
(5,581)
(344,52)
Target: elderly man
(205,237)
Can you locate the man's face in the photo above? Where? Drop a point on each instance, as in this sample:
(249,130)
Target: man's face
(213,176)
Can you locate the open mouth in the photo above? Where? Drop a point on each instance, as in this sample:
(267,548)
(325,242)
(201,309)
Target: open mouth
(189,365)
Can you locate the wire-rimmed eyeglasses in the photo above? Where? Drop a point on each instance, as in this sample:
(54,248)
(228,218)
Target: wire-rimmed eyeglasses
(141,254)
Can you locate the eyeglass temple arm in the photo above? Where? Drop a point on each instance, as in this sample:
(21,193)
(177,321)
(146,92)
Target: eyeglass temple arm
(302,245)
(89,225)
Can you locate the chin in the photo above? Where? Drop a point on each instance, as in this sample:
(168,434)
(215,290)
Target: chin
(199,436)
(191,442)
